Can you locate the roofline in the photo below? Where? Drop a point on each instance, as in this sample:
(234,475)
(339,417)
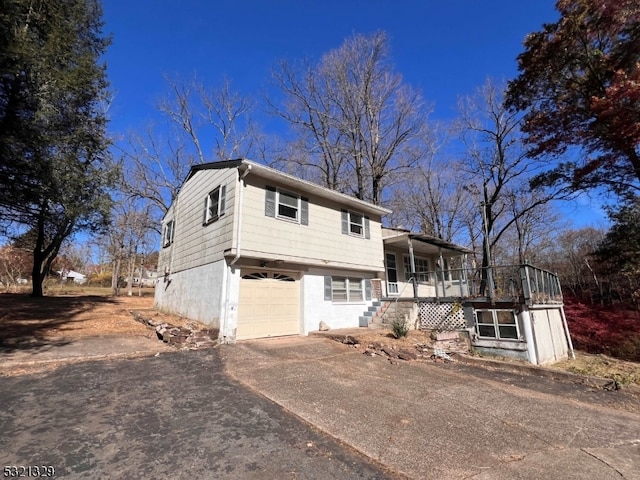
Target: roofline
(423,237)
(268,172)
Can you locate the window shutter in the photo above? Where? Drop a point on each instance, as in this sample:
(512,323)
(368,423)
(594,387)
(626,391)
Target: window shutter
(327,288)
(345,222)
(206,208)
(367,231)
(304,211)
(367,289)
(173,230)
(222,202)
(270,202)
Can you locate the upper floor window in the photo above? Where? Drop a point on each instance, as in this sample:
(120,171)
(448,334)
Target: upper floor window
(214,205)
(355,224)
(286,206)
(168,232)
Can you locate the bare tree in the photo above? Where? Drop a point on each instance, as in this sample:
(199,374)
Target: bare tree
(356,122)
(204,124)
(430,198)
(496,167)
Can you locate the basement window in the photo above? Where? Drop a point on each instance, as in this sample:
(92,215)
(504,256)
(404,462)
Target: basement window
(498,324)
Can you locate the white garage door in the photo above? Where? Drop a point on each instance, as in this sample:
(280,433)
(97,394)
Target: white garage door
(269,305)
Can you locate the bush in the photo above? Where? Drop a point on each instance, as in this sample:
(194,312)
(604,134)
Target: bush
(399,327)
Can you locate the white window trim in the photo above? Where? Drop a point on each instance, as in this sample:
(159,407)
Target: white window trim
(496,325)
(347,286)
(298,207)
(351,222)
(212,218)
(168,233)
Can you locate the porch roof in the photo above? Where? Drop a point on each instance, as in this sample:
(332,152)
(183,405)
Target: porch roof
(424,243)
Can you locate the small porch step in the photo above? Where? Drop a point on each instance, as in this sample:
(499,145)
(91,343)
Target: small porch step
(373,312)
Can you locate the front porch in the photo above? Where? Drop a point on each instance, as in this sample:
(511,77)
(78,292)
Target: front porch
(513,310)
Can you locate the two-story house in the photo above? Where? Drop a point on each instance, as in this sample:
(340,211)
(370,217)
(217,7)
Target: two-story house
(256,252)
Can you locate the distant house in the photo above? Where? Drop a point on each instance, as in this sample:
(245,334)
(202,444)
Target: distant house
(72,276)
(255,252)
(145,277)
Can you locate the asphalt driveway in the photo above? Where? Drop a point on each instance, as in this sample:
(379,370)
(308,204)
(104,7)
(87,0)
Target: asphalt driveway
(306,408)
(174,415)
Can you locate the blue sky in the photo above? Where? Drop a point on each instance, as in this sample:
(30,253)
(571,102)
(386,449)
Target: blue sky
(444,48)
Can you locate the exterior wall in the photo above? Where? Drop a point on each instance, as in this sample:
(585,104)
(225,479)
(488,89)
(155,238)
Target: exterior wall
(196,293)
(542,336)
(320,243)
(229,304)
(195,244)
(316,309)
(550,339)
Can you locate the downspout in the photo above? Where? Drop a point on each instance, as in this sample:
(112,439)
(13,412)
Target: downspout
(238,216)
(239,224)
(532,347)
(564,321)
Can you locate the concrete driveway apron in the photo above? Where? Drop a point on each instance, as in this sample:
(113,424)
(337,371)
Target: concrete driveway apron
(445,421)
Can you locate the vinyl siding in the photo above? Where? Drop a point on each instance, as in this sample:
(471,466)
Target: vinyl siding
(319,243)
(195,244)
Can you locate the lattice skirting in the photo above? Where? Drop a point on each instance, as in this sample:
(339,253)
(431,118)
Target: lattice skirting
(441,316)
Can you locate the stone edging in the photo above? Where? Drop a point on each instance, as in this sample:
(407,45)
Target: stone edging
(191,336)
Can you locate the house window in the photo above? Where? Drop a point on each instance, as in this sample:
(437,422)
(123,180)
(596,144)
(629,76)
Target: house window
(344,289)
(214,205)
(422,268)
(499,324)
(288,206)
(168,232)
(355,224)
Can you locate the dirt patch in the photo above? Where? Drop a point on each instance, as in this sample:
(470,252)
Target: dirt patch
(28,322)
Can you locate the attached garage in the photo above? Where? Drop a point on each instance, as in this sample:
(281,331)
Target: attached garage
(268,305)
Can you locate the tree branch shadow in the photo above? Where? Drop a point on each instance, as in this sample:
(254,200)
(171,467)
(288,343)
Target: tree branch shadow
(29,324)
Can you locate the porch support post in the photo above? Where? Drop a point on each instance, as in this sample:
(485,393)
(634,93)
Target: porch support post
(412,261)
(444,287)
(464,284)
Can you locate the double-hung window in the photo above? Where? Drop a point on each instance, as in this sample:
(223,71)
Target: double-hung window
(214,205)
(168,232)
(355,224)
(347,289)
(499,324)
(286,206)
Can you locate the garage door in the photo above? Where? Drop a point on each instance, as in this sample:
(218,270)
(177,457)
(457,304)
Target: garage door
(269,305)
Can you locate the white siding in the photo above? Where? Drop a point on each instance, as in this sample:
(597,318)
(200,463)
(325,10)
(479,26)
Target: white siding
(319,243)
(195,244)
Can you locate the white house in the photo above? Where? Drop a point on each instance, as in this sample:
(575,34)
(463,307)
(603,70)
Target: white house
(255,252)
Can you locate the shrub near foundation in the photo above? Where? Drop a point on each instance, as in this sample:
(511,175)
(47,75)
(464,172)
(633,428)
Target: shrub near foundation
(399,327)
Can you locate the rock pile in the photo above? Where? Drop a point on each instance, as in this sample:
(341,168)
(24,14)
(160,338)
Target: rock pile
(394,353)
(191,336)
